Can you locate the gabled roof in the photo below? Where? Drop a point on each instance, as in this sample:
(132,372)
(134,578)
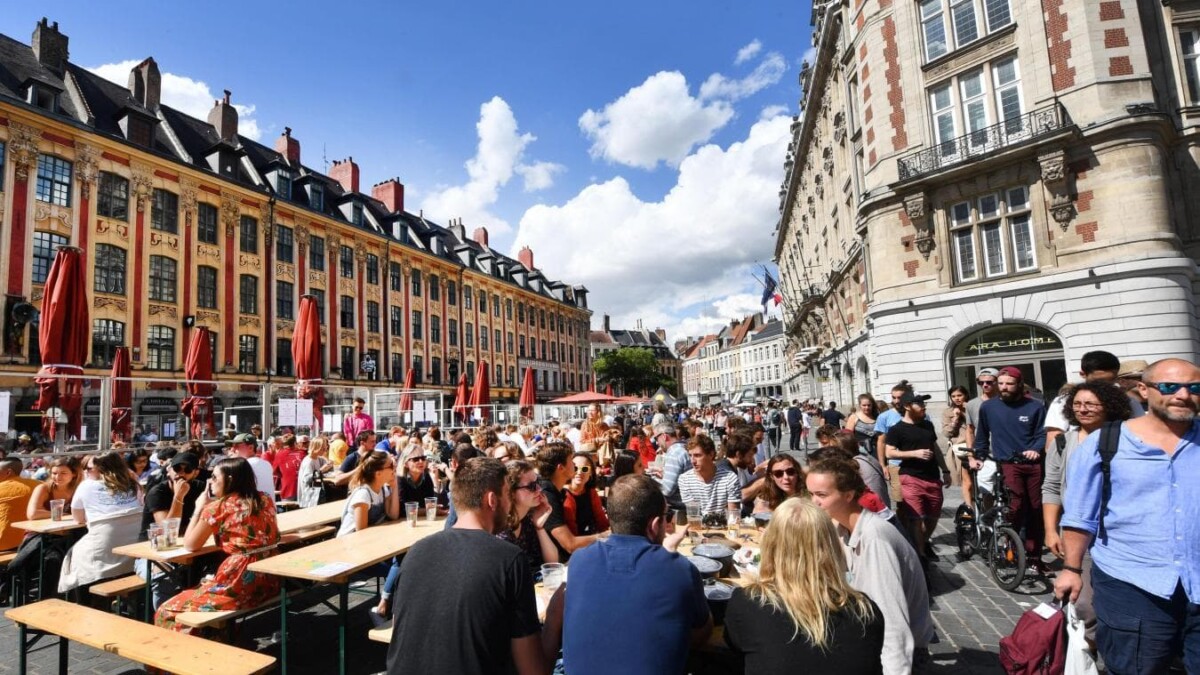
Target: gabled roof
(18,66)
(600,337)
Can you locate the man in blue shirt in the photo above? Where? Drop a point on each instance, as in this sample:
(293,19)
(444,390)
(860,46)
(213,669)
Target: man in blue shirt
(1146,564)
(1012,432)
(633,585)
(675,462)
(888,419)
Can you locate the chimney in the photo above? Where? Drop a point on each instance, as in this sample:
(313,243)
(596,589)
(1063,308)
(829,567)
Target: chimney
(459,230)
(526,258)
(288,147)
(662,334)
(50,46)
(145,83)
(224,118)
(606,324)
(391,193)
(346,173)
(481,236)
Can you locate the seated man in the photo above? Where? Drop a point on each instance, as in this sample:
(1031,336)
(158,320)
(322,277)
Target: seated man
(660,610)
(707,483)
(15,492)
(174,497)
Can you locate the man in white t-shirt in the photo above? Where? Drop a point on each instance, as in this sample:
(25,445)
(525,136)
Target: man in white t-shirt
(246,446)
(1097,366)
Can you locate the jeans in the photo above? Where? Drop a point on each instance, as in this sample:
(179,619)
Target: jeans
(773,439)
(163,586)
(1138,633)
(393,578)
(794,436)
(1024,482)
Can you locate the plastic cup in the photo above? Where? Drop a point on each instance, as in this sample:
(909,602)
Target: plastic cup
(431,509)
(56,508)
(552,575)
(171,532)
(155,534)
(411,509)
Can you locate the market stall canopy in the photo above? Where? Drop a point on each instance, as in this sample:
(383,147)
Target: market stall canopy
(585,397)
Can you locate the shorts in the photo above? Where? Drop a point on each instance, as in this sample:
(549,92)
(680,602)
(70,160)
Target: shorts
(922,498)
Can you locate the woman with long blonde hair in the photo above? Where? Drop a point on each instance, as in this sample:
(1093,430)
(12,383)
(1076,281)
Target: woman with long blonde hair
(801,609)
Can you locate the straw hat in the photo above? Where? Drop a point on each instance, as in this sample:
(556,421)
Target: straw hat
(1133,368)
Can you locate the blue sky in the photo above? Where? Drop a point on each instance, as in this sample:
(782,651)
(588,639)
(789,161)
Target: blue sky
(637,147)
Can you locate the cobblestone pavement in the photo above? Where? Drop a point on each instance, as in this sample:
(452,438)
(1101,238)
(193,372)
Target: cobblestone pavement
(970,611)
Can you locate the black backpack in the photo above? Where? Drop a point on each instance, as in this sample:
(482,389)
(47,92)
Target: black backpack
(1110,437)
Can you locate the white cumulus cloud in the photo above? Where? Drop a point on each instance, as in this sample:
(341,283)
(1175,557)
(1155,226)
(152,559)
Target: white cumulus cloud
(772,111)
(748,52)
(656,121)
(766,73)
(187,95)
(497,157)
(660,260)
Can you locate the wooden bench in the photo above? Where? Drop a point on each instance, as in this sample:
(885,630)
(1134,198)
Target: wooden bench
(7,557)
(119,587)
(217,620)
(305,536)
(140,642)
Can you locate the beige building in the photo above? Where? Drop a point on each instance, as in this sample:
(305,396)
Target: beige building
(990,182)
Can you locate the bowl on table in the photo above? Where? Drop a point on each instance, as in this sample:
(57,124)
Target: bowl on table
(708,568)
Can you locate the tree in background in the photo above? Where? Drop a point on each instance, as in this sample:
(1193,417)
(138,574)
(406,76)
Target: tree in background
(631,370)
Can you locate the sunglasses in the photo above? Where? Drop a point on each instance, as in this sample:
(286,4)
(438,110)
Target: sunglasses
(985,383)
(780,473)
(358,407)
(583,469)
(1168,388)
(534,487)
(422,458)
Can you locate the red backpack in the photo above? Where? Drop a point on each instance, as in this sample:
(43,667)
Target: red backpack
(1037,646)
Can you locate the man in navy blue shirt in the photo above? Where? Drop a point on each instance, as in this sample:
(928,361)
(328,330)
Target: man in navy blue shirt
(634,585)
(1012,432)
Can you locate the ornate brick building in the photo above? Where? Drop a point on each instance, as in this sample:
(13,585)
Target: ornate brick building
(185,223)
(991,182)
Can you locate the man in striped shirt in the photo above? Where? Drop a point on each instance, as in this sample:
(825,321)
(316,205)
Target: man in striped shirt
(711,485)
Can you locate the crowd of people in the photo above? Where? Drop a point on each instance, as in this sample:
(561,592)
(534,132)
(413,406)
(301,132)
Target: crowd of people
(1097,486)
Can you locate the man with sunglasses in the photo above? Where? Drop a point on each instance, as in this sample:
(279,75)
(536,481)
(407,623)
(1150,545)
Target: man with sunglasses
(358,421)
(1143,534)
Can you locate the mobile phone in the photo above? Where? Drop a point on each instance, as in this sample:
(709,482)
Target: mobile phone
(209,490)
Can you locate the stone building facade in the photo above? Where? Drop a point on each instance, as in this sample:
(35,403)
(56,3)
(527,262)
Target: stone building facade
(187,223)
(991,182)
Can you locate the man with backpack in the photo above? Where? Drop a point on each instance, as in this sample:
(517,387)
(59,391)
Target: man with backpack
(1135,500)
(772,421)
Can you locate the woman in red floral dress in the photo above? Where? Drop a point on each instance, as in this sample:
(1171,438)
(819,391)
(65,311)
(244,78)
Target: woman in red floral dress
(242,520)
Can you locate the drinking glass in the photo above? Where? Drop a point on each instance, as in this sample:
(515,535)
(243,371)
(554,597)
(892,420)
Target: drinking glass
(695,519)
(552,575)
(56,508)
(155,534)
(171,532)
(411,509)
(431,509)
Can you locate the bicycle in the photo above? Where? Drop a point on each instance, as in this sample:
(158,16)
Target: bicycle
(991,534)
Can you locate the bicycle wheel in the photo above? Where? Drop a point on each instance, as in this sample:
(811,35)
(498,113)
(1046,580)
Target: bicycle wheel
(966,532)
(1008,558)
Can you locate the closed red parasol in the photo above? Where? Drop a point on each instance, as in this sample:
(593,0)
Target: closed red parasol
(406,397)
(197,368)
(462,399)
(306,356)
(592,383)
(122,396)
(481,395)
(528,393)
(63,337)
(608,389)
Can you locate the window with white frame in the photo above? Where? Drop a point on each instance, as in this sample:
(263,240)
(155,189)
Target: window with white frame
(1189,44)
(965,106)
(992,236)
(947,25)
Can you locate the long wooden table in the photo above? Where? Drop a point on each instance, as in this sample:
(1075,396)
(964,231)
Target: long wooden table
(43,526)
(292,521)
(334,562)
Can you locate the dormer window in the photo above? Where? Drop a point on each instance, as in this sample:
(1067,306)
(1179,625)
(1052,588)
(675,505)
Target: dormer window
(316,197)
(140,132)
(283,185)
(43,97)
(356,214)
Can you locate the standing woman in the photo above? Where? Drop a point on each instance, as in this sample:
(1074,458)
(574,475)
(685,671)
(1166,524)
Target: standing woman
(801,609)
(242,520)
(954,430)
(312,469)
(581,504)
(862,423)
(526,526)
(785,479)
(110,504)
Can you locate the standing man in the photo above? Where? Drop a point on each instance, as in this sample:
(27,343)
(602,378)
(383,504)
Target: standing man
(923,471)
(246,447)
(1012,432)
(986,381)
(1096,366)
(886,420)
(357,421)
(481,615)
(1142,524)
(795,422)
(660,610)
(773,422)
(832,416)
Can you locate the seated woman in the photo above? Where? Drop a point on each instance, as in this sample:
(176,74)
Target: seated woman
(801,609)
(627,462)
(417,482)
(374,496)
(581,504)
(314,466)
(785,479)
(109,503)
(139,463)
(528,515)
(639,442)
(45,552)
(64,476)
(242,520)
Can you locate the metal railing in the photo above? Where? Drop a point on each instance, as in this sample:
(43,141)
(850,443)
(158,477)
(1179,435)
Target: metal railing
(1006,134)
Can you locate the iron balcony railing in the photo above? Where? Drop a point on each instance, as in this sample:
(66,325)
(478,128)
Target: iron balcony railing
(1006,134)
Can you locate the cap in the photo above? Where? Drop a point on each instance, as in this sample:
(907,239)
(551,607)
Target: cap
(989,371)
(186,458)
(909,398)
(244,438)
(1013,372)
(1133,368)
